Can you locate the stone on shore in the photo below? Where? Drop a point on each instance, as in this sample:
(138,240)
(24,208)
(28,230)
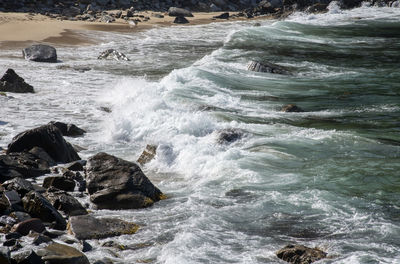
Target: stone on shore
(112,54)
(47,137)
(180,20)
(40,53)
(64,202)
(222,16)
(114,183)
(266,67)
(26,226)
(299,254)
(11,82)
(69,130)
(88,227)
(179,12)
(56,253)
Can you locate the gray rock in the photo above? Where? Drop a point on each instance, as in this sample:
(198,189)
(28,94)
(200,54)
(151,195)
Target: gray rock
(47,137)
(69,130)
(88,227)
(229,135)
(267,67)
(40,53)
(59,182)
(20,185)
(56,253)
(180,20)
(71,11)
(115,183)
(179,12)
(107,19)
(112,54)
(65,202)
(11,82)
(299,254)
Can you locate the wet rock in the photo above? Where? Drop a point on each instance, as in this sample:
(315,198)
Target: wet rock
(180,20)
(24,227)
(113,244)
(86,247)
(39,238)
(47,137)
(38,206)
(292,108)
(10,242)
(75,68)
(56,253)
(147,154)
(59,182)
(4,256)
(299,254)
(65,202)
(20,185)
(11,82)
(15,235)
(20,216)
(112,54)
(42,154)
(222,16)
(76,165)
(317,8)
(104,261)
(40,53)
(179,12)
(69,130)
(14,200)
(87,227)
(267,67)
(27,257)
(229,135)
(23,165)
(114,183)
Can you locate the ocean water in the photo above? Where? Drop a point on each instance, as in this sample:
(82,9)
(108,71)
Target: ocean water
(328,177)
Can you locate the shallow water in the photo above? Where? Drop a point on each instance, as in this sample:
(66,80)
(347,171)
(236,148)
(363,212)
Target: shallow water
(328,177)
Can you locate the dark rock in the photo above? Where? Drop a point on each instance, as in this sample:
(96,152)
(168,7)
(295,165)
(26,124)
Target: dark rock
(222,16)
(13,199)
(10,242)
(118,14)
(229,135)
(292,108)
(65,202)
(54,233)
(27,257)
(59,182)
(24,227)
(20,216)
(317,8)
(179,12)
(114,183)
(147,154)
(7,220)
(77,68)
(40,239)
(40,53)
(11,82)
(76,165)
(71,11)
(42,154)
(20,185)
(180,20)
(299,254)
(112,54)
(24,165)
(86,247)
(87,227)
(47,137)
(38,206)
(56,253)
(267,67)
(4,256)
(15,235)
(69,130)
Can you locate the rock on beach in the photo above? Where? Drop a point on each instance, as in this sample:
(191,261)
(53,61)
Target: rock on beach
(40,53)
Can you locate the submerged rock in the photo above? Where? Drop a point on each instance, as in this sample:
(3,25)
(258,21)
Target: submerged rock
(179,12)
(11,82)
(147,154)
(292,108)
(88,227)
(180,20)
(114,183)
(56,253)
(299,254)
(47,137)
(267,67)
(112,54)
(69,130)
(229,135)
(40,53)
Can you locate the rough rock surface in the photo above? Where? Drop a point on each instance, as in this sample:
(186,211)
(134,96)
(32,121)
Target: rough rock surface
(26,226)
(11,82)
(47,137)
(179,12)
(65,202)
(88,227)
(59,182)
(180,20)
(229,135)
(266,67)
(112,54)
(56,253)
(40,53)
(69,130)
(147,154)
(18,184)
(114,183)
(299,254)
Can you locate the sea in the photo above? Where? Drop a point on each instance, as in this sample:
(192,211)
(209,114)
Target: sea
(328,177)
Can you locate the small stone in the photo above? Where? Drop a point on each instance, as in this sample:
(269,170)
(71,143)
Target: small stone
(292,108)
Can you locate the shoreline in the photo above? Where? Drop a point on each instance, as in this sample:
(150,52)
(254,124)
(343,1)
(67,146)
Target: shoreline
(21,29)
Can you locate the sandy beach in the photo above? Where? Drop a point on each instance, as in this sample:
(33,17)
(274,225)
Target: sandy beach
(20,29)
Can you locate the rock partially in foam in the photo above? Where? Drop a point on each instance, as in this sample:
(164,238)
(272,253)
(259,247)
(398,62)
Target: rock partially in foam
(299,254)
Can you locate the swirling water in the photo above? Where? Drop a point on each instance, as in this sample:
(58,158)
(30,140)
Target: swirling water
(328,177)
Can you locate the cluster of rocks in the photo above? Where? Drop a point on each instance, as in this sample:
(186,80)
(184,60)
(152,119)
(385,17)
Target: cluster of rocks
(31,214)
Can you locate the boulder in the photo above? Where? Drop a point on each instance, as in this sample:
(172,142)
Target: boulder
(56,253)
(114,183)
(229,135)
(11,82)
(59,182)
(112,54)
(147,154)
(42,154)
(24,165)
(179,12)
(65,202)
(222,16)
(40,53)
(27,257)
(76,165)
(180,20)
(69,130)
(88,227)
(26,226)
(299,254)
(20,185)
(266,67)
(292,108)
(47,137)
(38,206)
